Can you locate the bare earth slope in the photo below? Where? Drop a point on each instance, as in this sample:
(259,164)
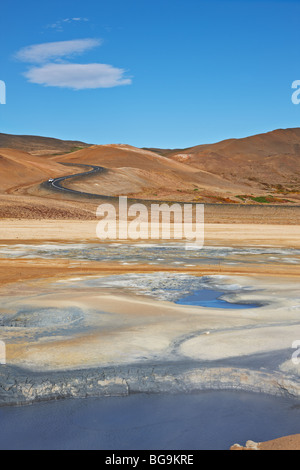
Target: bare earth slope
(266,163)
(19,168)
(256,172)
(260,169)
(39,145)
(143,174)
(20,194)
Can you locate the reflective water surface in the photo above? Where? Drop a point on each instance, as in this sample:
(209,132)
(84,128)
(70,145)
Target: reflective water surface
(207,420)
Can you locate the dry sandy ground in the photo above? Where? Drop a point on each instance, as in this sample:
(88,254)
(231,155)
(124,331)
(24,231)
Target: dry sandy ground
(14,230)
(35,231)
(20,270)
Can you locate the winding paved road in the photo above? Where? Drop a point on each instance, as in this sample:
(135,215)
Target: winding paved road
(56,183)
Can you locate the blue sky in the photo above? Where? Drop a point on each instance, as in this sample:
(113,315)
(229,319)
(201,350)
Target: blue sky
(159,73)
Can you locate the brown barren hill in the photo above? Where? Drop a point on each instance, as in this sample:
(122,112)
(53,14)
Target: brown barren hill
(265,163)
(143,174)
(261,169)
(21,195)
(257,171)
(38,145)
(18,169)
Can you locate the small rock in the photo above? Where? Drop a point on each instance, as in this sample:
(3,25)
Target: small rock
(252,445)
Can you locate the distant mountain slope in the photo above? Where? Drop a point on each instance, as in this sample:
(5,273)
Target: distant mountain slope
(264,168)
(274,142)
(142,173)
(232,171)
(37,145)
(270,159)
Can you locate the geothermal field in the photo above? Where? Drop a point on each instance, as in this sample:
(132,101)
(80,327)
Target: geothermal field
(179,335)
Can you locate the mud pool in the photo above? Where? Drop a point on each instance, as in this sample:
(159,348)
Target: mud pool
(171,253)
(203,421)
(149,332)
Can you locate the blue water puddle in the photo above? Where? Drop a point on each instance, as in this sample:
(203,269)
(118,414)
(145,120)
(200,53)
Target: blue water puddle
(180,288)
(212,299)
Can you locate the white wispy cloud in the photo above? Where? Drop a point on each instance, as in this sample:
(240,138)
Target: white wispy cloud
(78,76)
(45,52)
(58,25)
(50,66)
